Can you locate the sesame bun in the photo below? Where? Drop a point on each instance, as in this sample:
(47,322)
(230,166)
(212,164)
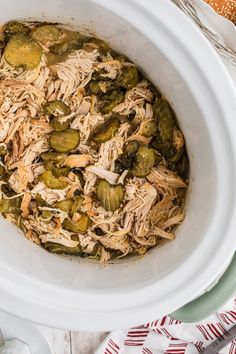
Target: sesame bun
(226,8)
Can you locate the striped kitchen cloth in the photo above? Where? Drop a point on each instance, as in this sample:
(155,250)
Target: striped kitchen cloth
(168,336)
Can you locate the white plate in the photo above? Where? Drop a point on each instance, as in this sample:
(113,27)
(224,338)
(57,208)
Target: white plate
(26,332)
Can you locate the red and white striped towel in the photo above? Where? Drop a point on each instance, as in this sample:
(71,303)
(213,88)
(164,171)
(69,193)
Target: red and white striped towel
(168,336)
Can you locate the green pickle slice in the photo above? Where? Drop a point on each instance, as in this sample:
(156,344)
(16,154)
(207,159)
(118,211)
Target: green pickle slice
(23,51)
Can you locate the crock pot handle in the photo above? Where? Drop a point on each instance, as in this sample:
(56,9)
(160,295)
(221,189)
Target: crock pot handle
(210,301)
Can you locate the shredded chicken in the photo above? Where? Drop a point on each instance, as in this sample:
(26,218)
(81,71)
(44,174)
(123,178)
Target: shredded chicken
(49,195)
(165,178)
(75,72)
(99,171)
(178,139)
(137,96)
(20,179)
(112,68)
(86,123)
(25,205)
(81,160)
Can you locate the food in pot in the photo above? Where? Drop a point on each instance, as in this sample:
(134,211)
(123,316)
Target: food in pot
(92,161)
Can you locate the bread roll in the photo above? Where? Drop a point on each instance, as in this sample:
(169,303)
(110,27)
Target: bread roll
(226,8)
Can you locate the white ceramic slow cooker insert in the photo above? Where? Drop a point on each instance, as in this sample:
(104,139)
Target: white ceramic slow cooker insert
(80,295)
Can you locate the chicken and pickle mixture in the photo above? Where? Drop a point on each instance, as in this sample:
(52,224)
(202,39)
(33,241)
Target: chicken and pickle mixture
(92,162)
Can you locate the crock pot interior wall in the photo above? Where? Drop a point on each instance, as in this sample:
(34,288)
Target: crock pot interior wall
(29,260)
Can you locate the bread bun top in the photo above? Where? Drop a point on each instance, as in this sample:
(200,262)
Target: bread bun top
(226,8)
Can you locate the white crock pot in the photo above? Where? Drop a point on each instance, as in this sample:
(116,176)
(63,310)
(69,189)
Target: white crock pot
(80,295)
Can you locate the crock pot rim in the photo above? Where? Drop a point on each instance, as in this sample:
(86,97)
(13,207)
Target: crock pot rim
(144,311)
